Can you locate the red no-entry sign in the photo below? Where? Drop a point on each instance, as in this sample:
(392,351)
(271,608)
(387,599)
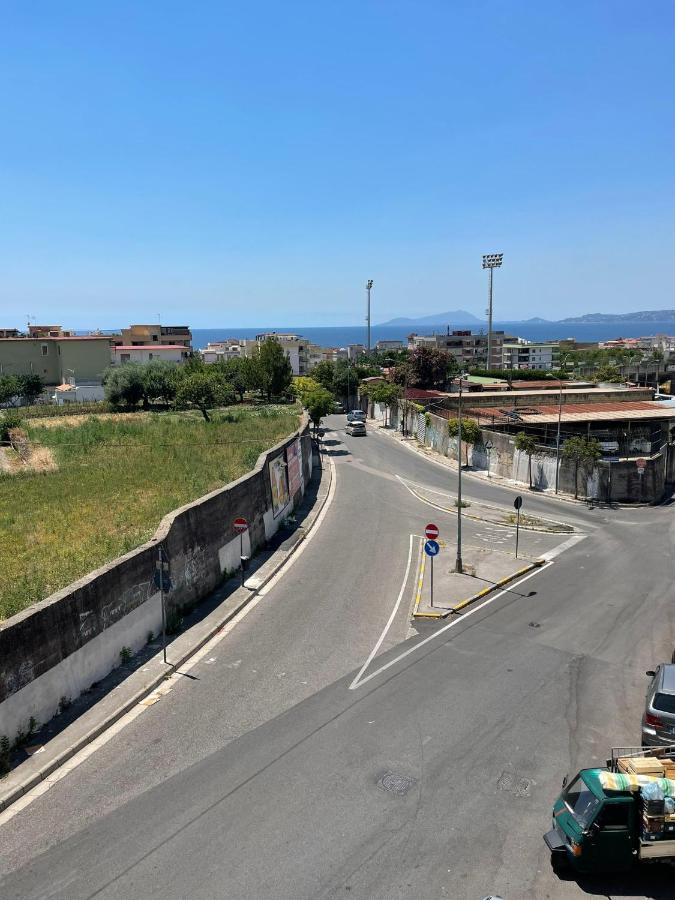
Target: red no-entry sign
(431,532)
(240,525)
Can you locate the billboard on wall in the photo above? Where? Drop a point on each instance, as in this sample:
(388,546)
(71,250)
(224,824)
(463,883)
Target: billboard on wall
(294,460)
(279,484)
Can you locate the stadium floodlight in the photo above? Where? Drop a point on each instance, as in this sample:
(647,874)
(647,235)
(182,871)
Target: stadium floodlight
(369,285)
(491,261)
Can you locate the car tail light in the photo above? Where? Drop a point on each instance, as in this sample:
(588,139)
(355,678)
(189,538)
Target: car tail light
(653,720)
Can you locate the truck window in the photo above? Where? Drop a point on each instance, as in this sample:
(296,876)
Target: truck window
(614,816)
(581,801)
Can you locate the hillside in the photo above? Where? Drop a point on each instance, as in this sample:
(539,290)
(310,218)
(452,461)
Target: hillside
(451,317)
(645,315)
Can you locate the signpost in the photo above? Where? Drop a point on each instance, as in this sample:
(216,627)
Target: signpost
(641,466)
(431,548)
(517,503)
(431,532)
(240,525)
(488,446)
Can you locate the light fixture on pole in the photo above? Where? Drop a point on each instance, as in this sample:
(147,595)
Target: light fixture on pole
(557,437)
(369,285)
(491,261)
(459,568)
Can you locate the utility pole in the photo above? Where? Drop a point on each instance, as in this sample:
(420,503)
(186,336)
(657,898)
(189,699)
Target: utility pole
(557,439)
(459,568)
(490,261)
(369,285)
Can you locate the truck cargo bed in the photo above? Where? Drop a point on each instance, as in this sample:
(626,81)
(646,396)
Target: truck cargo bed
(656,849)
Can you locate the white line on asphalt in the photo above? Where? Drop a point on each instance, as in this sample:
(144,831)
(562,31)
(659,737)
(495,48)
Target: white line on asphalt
(358,681)
(556,551)
(136,711)
(377,646)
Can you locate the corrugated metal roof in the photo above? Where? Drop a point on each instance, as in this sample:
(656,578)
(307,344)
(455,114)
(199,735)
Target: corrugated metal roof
(578,412)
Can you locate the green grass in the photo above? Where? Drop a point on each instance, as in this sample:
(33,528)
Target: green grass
(115,480)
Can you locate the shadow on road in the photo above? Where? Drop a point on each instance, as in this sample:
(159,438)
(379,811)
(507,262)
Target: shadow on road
(654,882)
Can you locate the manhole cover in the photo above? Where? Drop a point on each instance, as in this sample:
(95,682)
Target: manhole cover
(396,784)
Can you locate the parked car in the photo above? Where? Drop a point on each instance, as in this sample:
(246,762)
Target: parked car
(356,415)
(658,720)
(357,429)
(338,407)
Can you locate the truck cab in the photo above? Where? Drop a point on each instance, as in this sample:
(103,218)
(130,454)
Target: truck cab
(594,829)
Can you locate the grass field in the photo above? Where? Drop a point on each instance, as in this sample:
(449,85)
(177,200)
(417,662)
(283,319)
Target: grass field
(114,480)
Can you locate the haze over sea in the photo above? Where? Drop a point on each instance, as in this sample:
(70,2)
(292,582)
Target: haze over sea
(533,331)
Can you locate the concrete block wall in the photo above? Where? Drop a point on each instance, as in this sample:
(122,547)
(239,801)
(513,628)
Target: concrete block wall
(73,638)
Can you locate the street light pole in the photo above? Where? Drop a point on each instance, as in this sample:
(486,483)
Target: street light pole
(557,439)
(490,261)
(459,568)
(369,285)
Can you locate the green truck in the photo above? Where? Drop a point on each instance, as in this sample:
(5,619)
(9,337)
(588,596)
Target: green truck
(605,821)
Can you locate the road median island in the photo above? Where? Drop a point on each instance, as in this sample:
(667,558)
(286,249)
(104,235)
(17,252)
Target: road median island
(485,571)
(138,688)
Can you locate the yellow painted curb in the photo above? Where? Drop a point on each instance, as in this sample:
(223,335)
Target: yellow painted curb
(459,606)
(420,582)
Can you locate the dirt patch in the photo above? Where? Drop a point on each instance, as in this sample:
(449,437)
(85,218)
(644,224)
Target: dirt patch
(57,421)
(24,456)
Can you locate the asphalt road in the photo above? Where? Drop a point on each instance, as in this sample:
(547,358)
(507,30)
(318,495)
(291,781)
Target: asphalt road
(269,773)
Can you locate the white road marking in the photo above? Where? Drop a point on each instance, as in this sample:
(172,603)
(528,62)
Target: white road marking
(165,688)
(381,638)
(551,554)
(358,681)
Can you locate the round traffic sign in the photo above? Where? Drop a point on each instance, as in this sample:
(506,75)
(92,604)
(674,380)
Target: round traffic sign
(431,548)
(518,502)
(240,524)
(641,463)
(431,531)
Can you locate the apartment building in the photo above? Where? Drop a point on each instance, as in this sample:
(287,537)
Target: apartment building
(302,354)
(145,353)
(57,359)
(468,348)
(140,335)
(217,351)
(522,354)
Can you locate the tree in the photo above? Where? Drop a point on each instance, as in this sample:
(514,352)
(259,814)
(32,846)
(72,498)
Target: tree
(30,387)
(318,403)
(384,393)
(275,370)
(303,386)
(204,390)
(160,379)
(9,389)
(471,434)
(526,444)
(608,373)
(324,373)
(430,367)
(582,451)
(123,385)
(240,373)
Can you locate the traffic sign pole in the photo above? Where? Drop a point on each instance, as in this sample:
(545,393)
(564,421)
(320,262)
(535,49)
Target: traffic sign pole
(240,525)
(161,594)
(431,576)
(517,503)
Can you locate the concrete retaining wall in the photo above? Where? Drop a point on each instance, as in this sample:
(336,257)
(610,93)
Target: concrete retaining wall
(73,638)
(617,482)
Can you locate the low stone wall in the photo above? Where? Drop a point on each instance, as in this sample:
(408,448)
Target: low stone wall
(73,638)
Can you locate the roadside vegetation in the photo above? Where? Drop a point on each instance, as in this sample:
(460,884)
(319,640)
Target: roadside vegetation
(113,480)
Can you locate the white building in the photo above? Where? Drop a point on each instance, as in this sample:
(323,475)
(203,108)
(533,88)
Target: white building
(302,354)
(221,350)
(390,345)
(143,353)
(522,354)
(84,392)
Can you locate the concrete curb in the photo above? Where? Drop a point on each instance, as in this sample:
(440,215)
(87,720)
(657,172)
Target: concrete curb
(13,792)
(535,564)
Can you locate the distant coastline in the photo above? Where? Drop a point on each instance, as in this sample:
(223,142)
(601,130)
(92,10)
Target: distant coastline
(531,330)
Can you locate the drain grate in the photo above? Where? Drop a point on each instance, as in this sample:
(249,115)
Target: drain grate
(396,784)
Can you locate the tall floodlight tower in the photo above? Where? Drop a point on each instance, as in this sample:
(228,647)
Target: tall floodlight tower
(491,261)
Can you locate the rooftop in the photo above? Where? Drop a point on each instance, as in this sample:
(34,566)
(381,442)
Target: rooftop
(153,347)
(577,412)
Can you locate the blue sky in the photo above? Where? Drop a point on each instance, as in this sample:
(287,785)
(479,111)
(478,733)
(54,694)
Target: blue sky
(253,164)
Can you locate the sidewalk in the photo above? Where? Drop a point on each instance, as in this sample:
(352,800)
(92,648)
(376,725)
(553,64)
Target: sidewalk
(484,571)
(153,675)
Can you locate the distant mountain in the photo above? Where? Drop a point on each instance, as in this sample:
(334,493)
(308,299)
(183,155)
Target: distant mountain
(452,317)
(535,320)
(645,315)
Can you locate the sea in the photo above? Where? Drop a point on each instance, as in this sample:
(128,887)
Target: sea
(531,331)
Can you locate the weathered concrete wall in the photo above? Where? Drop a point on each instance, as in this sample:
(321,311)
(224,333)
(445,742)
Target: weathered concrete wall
(617,482)
(58,647)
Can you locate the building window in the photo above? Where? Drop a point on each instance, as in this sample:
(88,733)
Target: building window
(45,349)
(154,337)
(125,357)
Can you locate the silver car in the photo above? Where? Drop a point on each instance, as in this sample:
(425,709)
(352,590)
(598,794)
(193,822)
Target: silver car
(658,721)
(357,429)
(356,415)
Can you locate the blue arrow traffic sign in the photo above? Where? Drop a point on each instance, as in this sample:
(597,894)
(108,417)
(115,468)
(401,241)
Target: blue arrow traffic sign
(431,548)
